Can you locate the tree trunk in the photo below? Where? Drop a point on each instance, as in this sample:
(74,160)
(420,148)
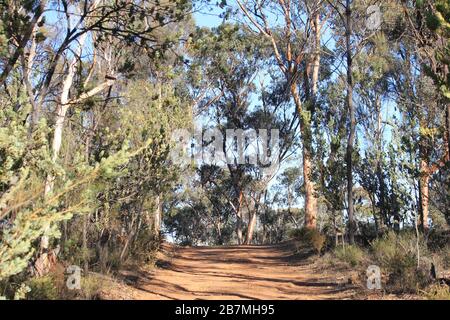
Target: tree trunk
(316,26)
(310,199)
(157,216)
(61,111)
(424,194)
(239,219)
(85,244)
(251,228)
(352,129)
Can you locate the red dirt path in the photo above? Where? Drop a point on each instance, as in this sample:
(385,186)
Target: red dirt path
(237,272)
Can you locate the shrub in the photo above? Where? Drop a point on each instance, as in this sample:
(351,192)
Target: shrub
(445,254)
(405,276)
(351,254)
(145,248)
(90,287)
(391,247)
(438,239)
(311,237)
(42,288)
(437,292)
(408,269)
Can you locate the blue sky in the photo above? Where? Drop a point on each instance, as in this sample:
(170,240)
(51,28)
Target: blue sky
(208,19)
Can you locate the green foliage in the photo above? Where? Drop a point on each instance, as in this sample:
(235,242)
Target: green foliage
(91,286)
(98,196)
(32,214)
(352,255)
(405,259)
(438,21)
(393,247)
(53,287)
(43,288)
(310,237)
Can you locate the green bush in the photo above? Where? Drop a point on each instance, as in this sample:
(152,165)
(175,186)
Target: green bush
(392,247)
(351,254)
(43,288)
(91,287)
(145,248)
(311,237)
(405,260)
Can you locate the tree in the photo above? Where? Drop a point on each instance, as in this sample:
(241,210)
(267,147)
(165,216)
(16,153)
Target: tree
(296,49)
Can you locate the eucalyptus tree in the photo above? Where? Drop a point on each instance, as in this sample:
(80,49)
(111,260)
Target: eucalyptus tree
(229,58)
(420,95)
(294,30)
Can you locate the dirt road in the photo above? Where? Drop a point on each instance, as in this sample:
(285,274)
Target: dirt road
(238,272)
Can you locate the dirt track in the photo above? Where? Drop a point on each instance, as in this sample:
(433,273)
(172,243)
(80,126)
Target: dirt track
(238,272)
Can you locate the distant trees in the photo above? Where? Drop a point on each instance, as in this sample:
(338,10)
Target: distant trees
(363,104)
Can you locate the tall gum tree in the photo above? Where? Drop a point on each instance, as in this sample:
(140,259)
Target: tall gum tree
(296,46)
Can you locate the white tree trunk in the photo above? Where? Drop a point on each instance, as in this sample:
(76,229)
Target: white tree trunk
(157,216)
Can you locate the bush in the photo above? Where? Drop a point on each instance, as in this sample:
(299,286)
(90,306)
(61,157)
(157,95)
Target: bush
(392,247)
(43,288)
(408,270)
(311,237)
(438,239)
(91,287)
(445,254)
(351,254)
(437,292)
(54,287)
(145,248)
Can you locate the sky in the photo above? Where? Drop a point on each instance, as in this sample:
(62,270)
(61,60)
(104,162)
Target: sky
(205,18)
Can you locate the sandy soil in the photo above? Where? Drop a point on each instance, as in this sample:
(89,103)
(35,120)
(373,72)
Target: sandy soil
(235,272)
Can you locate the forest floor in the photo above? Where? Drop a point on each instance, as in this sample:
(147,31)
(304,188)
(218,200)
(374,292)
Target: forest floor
(238,272)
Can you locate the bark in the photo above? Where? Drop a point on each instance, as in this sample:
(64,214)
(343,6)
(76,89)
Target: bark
(310,198)
(251,228)
(352,118)
(239,218)
(317,26)
(85,243)
(157,216)
(27,63)
(289,64)
(61,110)
(252,221)
(424,195)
